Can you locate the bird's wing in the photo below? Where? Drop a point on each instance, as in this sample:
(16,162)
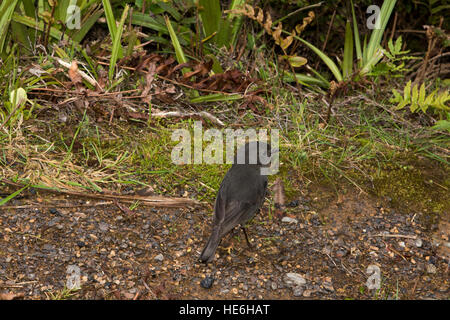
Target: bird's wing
(237,212)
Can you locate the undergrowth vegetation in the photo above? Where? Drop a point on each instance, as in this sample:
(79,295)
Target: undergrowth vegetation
(92,90)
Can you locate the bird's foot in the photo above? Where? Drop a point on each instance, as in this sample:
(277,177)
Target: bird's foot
(247,240)
(229,248)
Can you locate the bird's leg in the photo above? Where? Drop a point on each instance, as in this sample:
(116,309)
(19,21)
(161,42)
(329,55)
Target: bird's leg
(246,238)
(230,241)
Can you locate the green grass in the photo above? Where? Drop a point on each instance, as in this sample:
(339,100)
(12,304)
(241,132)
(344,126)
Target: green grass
(63,294)
(86,154)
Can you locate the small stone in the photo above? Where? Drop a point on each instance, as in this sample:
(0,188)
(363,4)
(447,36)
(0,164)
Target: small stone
(159,257)
(103,226)
(418,243)
(54,211)
(224,291)
(294,279)
(328,286)
(274,286)
(298,291)
(81,244)
(48,247)
(79,215)
(289,220)
(307,293)
(402,244)
(128,295)
(54,221)
(341,252)
(293,204)
(431,268)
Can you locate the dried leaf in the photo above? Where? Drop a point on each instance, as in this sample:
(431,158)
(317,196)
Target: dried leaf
(250,11)
(268,24)
(11,296)
(74,76)
(260,16)
(307,20)
(277,33)
(286,42)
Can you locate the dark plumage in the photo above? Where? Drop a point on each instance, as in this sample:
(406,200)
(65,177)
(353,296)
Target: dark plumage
(240,196)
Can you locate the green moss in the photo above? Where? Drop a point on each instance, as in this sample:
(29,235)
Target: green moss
(413,185)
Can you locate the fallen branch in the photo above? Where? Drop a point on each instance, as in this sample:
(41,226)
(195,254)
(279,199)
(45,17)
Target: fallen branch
(155,201)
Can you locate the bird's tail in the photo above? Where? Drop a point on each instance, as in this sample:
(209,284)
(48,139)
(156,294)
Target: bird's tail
(211,246)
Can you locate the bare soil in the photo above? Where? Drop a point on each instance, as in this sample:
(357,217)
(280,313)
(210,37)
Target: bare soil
(153,253)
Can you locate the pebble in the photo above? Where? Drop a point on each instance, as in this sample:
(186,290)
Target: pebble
(54,211)
(103,226)
(159,257)
(307,293)
(418,243)
(289,220)
(274,286)
(80,244)
(431,268)
(293,204)
(294,279)
(54,221)
(341,252)
(207,282)
(328,286)
(298,291)
(48,247)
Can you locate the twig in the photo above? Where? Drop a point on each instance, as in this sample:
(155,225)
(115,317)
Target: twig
(326,38)
(297,11)
(148,288)
(388,235)
(156,201)
(395,251)
(92,81)
(415,285)
(202,114)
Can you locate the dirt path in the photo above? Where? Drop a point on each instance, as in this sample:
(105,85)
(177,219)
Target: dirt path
(322,252)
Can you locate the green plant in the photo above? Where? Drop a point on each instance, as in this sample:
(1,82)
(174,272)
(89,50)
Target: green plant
(367,55)
(417,99)
(395,62)
(435,8)
(222,31)
(116,35)
(63,294)
(52,19)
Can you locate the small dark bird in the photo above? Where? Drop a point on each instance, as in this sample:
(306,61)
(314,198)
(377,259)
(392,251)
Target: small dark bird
(240,196)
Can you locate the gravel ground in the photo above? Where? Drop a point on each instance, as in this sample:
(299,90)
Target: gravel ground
(318,251)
